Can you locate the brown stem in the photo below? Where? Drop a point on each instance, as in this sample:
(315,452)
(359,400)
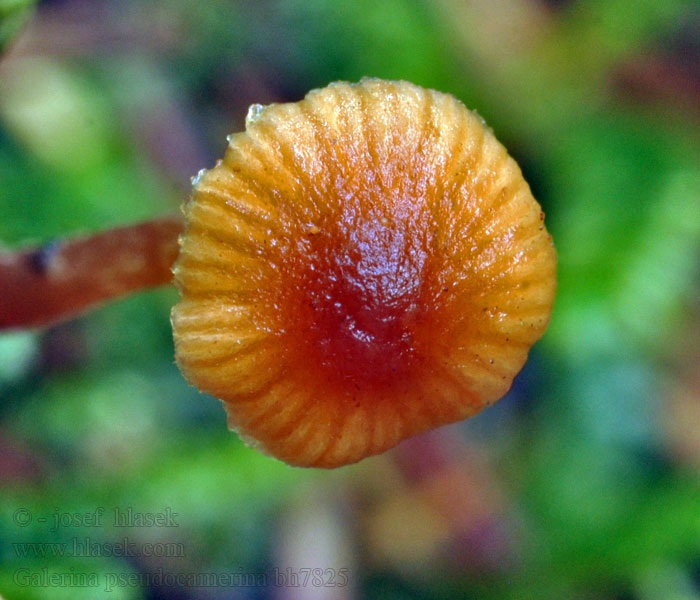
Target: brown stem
(59,280)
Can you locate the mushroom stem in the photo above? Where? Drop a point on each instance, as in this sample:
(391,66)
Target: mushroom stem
(41,286)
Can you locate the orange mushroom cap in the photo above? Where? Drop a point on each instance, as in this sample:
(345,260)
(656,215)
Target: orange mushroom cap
(363,265)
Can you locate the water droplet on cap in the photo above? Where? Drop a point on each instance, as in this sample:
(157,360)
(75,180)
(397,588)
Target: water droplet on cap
(253,113)
(198,176)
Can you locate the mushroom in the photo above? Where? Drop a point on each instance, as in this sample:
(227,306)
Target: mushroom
(363,265)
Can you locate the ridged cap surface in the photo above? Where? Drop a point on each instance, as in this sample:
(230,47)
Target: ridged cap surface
(363,265)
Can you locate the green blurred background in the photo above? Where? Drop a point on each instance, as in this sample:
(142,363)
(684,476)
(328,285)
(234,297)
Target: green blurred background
(584,482)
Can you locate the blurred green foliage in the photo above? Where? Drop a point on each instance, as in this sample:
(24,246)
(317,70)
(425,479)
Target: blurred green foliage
(108,110)
(13,14)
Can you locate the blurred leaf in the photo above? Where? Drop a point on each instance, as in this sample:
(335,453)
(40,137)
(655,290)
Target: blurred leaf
(617,182)
(69,169)
(665,580)
(13,15)
(17,352)
(315,42)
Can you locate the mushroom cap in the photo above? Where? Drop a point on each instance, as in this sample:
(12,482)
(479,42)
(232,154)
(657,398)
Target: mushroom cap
(363,265)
